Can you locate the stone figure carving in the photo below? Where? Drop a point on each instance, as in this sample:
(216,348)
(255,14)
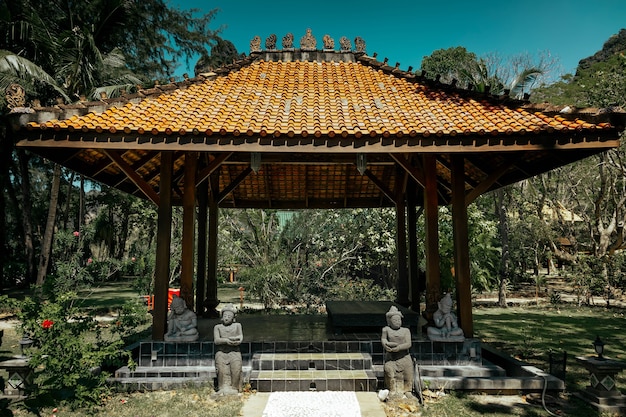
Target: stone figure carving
(329,43)
(446,327)
(15,96)
(308,41)
(345,44)
(270,42)
(359,44)
(255,44)
(227,337)
(396,341)
(182,323)
(288,41)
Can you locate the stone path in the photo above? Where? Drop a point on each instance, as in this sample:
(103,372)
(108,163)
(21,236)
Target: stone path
(369,404)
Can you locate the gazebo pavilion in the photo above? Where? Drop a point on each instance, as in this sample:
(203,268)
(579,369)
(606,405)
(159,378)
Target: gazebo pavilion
(302,128)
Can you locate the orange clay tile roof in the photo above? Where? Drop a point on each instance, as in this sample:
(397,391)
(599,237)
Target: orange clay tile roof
(309,115)
(347,99)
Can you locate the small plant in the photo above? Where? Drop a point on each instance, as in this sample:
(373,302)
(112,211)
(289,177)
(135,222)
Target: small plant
(555,298)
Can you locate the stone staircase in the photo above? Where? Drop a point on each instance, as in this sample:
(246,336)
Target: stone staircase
(306,371)
(334,365)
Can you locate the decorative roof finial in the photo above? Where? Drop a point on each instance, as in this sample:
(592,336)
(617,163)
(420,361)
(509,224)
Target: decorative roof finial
(15,96)
(359,44)
(288,41)
(345,44)
(308,41)
(270,42)
(329,43)
(255,44)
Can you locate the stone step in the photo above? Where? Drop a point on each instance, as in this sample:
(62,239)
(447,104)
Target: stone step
(313,380)
(312,361)
(166,372)
(462,371)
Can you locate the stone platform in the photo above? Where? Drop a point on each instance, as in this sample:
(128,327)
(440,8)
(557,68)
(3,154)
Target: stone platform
(346,316)
(354,365)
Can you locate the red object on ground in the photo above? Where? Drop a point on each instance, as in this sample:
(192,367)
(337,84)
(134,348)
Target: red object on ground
(170,295)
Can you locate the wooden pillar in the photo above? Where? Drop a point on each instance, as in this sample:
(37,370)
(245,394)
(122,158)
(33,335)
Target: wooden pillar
(461,247)
(402,285)
(414,284)
(201,252)
(211,301)
(164,237)
(189,229)
(431,218)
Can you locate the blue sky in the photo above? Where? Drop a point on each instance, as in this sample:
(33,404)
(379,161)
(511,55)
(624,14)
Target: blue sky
(406,31)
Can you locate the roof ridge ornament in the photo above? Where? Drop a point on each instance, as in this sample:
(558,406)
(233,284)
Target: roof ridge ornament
(308,41)
(344,44)
(329,43)
(288,41)
(15,96)
(255,44)
(270,42)
(359,45)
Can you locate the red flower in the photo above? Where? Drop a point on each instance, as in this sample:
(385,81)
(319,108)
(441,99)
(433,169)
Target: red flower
(89,261)
(76,233)
(47,324)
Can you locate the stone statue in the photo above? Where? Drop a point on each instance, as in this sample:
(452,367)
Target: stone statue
(227,337)
(396,341)
(446,327)
(182,323)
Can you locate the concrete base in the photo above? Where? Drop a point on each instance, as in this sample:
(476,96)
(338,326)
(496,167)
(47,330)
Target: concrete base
(616,404)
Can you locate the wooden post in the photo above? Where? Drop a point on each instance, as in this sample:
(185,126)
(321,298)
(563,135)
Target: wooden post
(431,218)
(201,253)
(189,228)
(414,284)
(162,265)
(461,247)
(402,284)
(211,301)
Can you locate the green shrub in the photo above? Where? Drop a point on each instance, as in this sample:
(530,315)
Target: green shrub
(68,352)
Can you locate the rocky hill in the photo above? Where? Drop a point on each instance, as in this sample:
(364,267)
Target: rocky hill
(614,45)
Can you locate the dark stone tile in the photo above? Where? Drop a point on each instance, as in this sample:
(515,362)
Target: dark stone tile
(347,385)
(279,385)
(333,384)
(321,385)
(264,385)
(292,385)
(331,364)
(341,346)
(279,364)
(354,346)
(343,364)
(356,364)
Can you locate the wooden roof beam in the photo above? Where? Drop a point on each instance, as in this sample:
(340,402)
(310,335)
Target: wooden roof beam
(212,166)
(381,186)
(133,176)
(234,184)
(416,173)
(491,179)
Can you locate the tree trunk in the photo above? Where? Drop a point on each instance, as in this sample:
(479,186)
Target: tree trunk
(27,222)
(46,246)
(68,199)
(5,154)
(504,236)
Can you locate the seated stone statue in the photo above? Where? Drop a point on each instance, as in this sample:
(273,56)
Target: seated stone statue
(182,323)
(446,327)
(227,337)
(396,341)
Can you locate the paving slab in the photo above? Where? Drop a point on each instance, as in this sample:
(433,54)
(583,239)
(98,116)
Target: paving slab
(368,402)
